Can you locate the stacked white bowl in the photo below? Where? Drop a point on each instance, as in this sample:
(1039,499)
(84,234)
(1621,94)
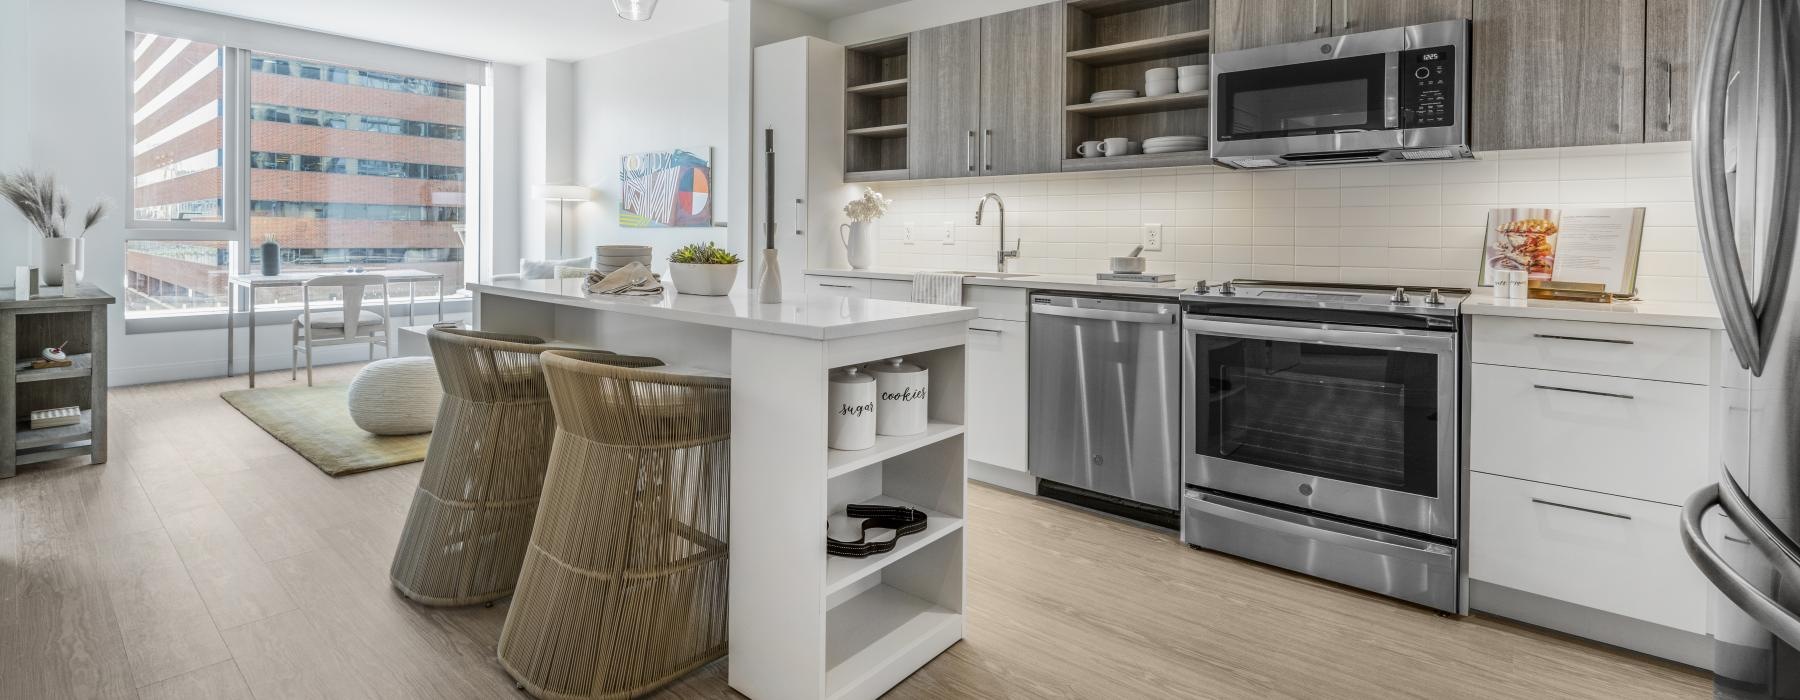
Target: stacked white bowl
(614,256)
(1190,79)
(1159,82)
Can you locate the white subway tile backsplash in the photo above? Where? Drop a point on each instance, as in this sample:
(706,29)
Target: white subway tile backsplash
(1416,224)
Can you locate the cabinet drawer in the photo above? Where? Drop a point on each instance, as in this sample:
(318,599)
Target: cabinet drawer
(852,287)
(890,290)
(998,382)
(1615,349)
(998,303)
(1609,553)
(1630,437)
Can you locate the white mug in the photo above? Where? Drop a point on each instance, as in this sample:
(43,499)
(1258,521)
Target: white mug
(1089,149)
(1116,146)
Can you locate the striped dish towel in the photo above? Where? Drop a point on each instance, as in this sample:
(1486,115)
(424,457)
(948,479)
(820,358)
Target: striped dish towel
(937,288)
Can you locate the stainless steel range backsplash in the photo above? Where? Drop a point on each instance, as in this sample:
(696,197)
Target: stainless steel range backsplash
(1391,224)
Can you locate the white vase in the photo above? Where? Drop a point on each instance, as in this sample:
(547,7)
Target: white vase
(768,287)
(703,280)
(859,243)
(55,253)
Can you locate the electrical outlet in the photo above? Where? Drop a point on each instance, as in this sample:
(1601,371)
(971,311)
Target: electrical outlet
(948,234)
(1153,237)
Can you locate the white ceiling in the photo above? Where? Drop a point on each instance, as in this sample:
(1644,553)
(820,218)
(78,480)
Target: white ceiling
(833,9)
(509,31)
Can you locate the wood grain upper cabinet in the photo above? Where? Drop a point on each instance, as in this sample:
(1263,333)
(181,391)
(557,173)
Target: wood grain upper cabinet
(1021,91)
(1352,16)
(944,95)
(1674,33)
(1246,24)
(1557,73)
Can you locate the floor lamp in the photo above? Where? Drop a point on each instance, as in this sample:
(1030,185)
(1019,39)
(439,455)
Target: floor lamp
(562,195)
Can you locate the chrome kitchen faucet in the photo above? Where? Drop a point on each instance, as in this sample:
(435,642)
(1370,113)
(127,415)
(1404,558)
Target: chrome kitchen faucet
(1000,256)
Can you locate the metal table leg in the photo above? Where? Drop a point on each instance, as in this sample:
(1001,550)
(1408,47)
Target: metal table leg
(440,313)
(251,359)
(412,301)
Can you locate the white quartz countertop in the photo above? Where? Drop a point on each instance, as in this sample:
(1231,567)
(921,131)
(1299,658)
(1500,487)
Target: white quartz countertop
(817,318)
(1058,283)
(1644,313)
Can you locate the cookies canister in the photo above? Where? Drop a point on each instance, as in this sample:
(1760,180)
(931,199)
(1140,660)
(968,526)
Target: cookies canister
(900,396)
(853,410)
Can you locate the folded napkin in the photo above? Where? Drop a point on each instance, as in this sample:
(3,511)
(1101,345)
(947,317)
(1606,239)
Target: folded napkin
(937,288)
(631,280)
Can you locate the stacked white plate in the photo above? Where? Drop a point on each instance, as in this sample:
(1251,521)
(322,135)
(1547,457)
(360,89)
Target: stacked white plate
(1110,95)
(1173,144)
(612,257)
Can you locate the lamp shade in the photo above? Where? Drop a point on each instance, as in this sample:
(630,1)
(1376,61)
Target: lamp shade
(634,10)
(563,193)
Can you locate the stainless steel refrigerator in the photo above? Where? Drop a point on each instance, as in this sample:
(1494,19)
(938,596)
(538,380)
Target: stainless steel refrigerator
(1743,531)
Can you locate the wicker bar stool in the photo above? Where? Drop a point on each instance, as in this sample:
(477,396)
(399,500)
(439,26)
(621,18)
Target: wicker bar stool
(623,588)
(478,493)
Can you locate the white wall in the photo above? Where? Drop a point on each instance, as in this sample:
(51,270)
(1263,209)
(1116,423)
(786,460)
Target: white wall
(668,93)
(1413,224)
(915,15)
(15,125)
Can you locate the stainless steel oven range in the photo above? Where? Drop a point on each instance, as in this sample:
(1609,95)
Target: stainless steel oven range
(1320,433)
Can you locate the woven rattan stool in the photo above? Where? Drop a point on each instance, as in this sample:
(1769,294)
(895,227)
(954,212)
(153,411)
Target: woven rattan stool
(478,493)
(623,588)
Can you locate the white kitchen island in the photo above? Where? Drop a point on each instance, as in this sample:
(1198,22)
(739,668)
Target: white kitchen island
(802,625)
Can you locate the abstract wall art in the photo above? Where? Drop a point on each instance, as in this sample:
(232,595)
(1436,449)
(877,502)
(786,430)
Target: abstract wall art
(666,189)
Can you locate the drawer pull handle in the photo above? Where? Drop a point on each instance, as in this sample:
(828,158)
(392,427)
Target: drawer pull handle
(838,286)
(1548,336)
(1554,504)
(995,331)
(1607,394)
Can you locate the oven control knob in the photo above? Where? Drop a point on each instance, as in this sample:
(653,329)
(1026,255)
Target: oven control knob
(1201,288)
(1226,289)
(1399,296)
(1433,298)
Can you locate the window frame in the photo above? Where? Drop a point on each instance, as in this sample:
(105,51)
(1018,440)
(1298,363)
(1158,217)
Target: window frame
(234,228)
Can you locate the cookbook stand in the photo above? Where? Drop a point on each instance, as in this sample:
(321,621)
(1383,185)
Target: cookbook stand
(1576,291)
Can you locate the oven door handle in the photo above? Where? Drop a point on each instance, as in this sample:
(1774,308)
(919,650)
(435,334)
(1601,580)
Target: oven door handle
(1104,314)
(1435,342)
(1320,529)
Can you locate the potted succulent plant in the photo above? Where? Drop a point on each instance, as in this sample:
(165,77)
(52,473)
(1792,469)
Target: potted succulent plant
(703,269)
(46,207)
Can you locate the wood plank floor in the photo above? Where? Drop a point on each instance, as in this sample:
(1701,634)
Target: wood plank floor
(206,560)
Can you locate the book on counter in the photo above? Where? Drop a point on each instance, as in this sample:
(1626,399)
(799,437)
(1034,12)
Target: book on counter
(1588,251)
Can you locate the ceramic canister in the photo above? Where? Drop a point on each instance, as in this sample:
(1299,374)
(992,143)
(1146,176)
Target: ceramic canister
(900,389)
(852,425)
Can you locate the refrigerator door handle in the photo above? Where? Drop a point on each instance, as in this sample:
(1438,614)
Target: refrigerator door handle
(1718,240)
(1769,613)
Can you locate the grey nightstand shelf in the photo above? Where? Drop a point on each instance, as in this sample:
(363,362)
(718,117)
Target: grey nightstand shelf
(29,326)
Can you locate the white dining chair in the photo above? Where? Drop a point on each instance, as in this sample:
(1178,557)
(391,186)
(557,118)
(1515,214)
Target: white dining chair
(351,324)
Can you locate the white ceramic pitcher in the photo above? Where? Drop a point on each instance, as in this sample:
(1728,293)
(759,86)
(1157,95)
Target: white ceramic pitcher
(859,243)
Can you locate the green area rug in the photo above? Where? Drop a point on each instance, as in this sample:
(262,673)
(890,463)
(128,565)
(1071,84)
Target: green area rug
(315,421)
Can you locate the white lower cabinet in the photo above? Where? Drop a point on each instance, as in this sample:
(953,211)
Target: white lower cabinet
(1610,553)
(998,353)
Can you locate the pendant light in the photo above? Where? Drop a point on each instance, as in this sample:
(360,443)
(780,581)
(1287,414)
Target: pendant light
(634,10)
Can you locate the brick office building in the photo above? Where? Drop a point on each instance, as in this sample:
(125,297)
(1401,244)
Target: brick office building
(348,167)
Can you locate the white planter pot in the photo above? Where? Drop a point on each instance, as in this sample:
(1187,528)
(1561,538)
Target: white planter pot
(53,254)
(859,243)
(703,280)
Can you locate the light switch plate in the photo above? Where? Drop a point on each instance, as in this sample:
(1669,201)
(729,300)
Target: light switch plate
(909,233)
(1153,237)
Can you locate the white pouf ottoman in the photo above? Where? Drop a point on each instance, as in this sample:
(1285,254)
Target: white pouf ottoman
(397,396)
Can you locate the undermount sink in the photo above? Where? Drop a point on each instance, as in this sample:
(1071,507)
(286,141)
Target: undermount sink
(993,275)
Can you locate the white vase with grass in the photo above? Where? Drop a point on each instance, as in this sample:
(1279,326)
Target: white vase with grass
(46,207)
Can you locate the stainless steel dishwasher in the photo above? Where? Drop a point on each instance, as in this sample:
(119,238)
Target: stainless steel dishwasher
(1105,401)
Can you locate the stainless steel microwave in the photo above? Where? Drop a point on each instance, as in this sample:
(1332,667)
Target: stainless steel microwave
(1397,94)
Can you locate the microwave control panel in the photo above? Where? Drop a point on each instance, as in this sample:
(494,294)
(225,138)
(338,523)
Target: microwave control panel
(1427,87)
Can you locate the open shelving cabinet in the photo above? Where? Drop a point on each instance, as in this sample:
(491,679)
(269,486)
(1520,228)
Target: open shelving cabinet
(1111,44)
(76,322)
(808,625)
(875,110)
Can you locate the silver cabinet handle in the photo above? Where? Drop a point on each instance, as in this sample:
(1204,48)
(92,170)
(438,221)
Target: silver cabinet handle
(837,286)
(1620,127)
(1554,504)
(799,218)
(1567,390)
(1718,239)
(987,150)
(1577,338)
(1669,97)
(969,153)
(1345,23)
(994,331)
(1318,27)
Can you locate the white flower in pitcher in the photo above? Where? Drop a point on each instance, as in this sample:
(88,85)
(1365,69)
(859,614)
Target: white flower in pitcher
(869,207)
